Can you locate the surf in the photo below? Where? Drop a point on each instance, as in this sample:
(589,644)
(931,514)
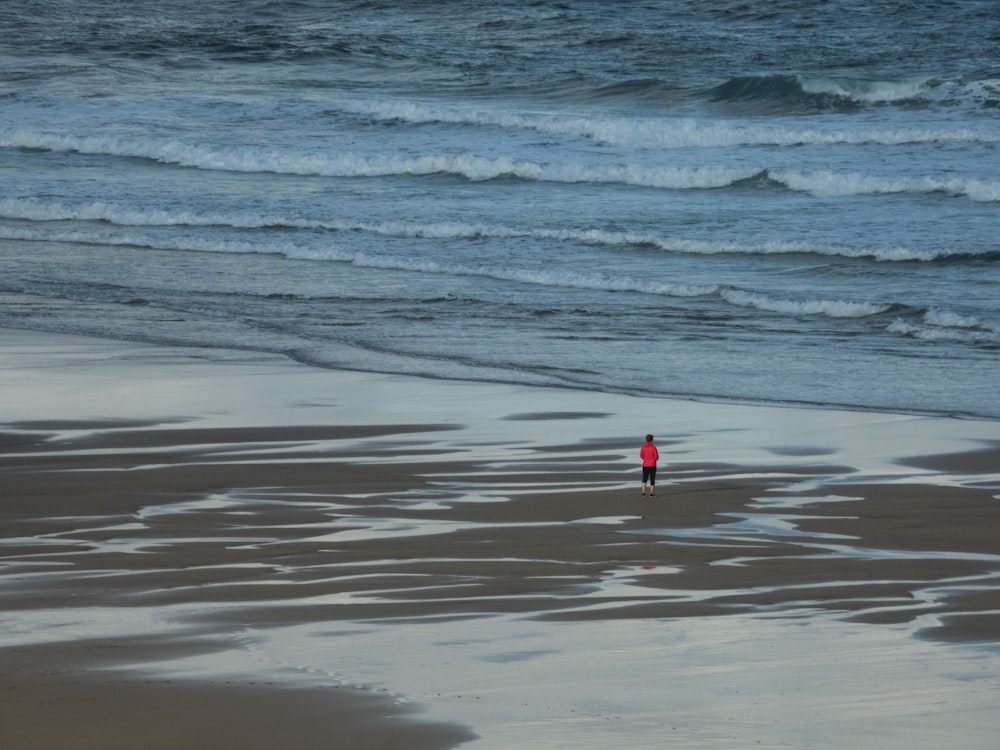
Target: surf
(47,222)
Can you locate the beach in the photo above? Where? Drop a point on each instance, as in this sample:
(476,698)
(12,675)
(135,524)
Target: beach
(227,549)
(330,334)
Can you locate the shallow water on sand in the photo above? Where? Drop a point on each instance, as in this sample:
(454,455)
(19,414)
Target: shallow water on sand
(594,621)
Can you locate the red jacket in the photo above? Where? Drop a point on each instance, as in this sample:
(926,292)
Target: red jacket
(649,454)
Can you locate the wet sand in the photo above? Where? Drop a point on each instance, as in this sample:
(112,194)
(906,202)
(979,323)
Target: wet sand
(231,550)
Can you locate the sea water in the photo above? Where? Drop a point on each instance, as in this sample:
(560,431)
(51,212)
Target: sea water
(765,201)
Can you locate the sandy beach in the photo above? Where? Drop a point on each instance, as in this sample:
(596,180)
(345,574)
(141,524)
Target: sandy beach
(231,550)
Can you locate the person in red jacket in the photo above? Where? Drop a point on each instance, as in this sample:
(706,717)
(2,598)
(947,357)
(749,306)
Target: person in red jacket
(649,456)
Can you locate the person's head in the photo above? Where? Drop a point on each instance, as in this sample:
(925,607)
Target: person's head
(649,438)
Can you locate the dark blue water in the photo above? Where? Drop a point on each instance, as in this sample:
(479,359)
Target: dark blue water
(785,202)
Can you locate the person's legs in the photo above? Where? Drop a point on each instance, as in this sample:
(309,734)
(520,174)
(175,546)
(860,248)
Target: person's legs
(652,480)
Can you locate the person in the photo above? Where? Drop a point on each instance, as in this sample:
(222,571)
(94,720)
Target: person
(649,456)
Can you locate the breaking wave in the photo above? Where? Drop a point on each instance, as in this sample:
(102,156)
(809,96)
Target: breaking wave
(477,168)
(41,211)
(656,132)
(833,92)
(830,308)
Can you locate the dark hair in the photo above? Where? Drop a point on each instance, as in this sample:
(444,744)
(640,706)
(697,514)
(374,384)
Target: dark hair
(649,438)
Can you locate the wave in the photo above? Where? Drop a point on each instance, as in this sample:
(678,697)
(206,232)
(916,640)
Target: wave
(829,308)
(567,279)
(644,132)
(937,324)
(468,166)
(870,90)
(148,242)
(477,168)
(40,211)
(946,325)
(830,184)
(818,91)
(844,91)
(604,282)
(655,132)
(564,279)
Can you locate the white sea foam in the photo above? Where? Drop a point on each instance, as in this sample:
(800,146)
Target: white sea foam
(40,210)
(468,166)
(152,242)
(35,209)
(665,132)
(934,332)
(940,324)
(949,319)
(830,308)
(478,168)
(869,91)
(826,183)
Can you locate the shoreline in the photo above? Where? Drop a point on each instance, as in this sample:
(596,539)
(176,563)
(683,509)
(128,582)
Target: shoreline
(252,526)
(250,355)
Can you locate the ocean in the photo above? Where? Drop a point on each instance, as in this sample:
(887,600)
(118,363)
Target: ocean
(780,202)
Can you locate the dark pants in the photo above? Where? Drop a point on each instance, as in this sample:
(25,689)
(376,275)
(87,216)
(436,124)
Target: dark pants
(649,474)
